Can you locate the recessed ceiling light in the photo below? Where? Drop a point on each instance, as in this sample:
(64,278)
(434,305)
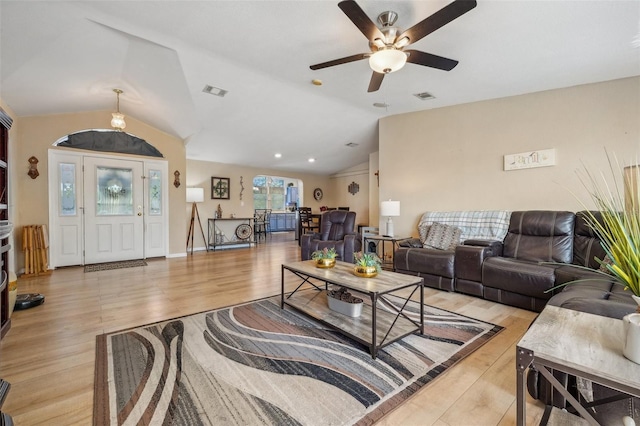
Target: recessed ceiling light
(424,96)
(381,105)
(352,144)
(316,82)
(277,155)
(214,91)
(311,160)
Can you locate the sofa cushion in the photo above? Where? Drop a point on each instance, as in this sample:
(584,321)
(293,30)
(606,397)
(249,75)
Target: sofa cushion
(443,237)
(540,236)
(586,244)
(425,261)
(518,276)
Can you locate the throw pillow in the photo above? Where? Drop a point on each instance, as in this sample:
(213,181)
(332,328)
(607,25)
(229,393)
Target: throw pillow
(443,237)
(423,230)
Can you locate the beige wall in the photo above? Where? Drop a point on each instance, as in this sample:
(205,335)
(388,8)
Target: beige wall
(36,135)
(358,202)
(452,158)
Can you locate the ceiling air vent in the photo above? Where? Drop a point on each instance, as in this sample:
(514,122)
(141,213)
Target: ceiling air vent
(424,96)
(214,91)
(351,144)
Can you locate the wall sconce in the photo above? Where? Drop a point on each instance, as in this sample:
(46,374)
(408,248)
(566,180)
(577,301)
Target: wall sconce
(33,167)
(176,181)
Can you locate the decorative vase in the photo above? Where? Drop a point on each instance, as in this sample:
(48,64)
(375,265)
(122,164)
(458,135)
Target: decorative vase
(325,263)
(365,271)
(631,348)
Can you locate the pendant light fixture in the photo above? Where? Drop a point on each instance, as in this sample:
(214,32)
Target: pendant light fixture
(117,122)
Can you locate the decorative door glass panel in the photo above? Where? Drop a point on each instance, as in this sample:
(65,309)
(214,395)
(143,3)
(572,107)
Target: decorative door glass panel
(155,192)
(114,192)
(67,187)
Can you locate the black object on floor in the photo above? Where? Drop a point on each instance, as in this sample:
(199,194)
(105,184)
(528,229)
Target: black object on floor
(26,301)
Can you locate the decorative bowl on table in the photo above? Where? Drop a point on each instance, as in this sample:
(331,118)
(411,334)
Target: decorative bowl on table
(343,302)
(365,271)
(325,263)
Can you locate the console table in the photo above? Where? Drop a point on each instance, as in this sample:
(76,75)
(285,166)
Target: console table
(240,235)
(577,343)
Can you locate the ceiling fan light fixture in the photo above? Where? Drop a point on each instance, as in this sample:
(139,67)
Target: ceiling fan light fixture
(386,61)
(117,120)
(404,41)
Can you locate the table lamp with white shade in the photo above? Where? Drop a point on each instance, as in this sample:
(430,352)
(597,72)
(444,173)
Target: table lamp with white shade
(194,196)
(389,209)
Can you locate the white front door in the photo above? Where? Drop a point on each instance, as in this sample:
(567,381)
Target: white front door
(113,210)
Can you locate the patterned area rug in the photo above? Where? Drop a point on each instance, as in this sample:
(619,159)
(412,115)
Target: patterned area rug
(256,364)
(114,265)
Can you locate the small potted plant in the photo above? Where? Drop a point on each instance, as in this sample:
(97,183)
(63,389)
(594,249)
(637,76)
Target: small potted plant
(367,264)
(325,258)
(342,301)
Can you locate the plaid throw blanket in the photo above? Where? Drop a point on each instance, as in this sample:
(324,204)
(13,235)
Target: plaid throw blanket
(475,224)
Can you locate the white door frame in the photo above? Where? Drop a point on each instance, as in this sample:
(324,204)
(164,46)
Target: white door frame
(66,232)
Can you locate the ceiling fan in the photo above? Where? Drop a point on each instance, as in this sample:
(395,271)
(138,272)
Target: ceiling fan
(388,44)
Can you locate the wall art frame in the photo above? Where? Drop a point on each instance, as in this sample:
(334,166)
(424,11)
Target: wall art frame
(530,159)
(220,188)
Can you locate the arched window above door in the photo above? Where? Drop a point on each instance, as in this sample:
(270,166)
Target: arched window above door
(108,141)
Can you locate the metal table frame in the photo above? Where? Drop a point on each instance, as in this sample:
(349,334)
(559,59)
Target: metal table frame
(580,344)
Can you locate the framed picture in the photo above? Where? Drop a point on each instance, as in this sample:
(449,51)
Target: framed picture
(219,188)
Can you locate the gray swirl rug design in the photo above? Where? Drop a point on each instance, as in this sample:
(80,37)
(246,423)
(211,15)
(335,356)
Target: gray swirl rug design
(256,364)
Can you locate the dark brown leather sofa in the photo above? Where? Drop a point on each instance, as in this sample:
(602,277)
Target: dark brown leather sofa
(521,271)
(524,270)
(337,229)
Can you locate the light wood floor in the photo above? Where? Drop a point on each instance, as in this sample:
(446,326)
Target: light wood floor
(48,355)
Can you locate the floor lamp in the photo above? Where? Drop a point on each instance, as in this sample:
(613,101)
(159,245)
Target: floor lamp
(194,196)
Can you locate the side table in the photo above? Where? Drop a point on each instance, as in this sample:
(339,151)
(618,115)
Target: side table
(577,343)
(380,241)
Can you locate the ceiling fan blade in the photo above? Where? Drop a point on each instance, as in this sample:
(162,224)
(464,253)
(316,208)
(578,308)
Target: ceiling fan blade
(340,61)
(429,60)
(360,19)
(376,81)
(439,19)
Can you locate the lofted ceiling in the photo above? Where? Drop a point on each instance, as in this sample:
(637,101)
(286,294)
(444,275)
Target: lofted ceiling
(67,56)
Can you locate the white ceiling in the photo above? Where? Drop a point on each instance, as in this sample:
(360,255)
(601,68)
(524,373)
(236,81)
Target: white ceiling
(67,56)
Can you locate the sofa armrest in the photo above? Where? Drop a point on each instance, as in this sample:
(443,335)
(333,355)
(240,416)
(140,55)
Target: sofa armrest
(469,258)
(306,247)
(495,245)
(410,243)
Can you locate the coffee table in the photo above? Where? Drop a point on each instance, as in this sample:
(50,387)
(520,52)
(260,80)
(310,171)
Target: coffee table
(381,322)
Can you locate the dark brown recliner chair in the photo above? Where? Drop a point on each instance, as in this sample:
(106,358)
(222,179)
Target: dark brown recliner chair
(337,229)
